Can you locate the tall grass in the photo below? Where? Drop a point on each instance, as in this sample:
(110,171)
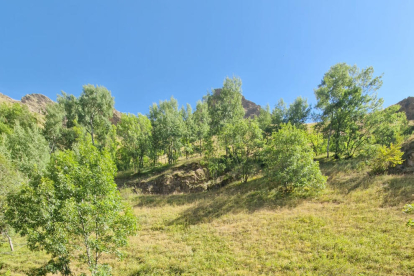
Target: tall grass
(355,227)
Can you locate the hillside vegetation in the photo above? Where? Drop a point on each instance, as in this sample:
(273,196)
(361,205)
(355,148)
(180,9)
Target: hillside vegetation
(221,190)
(356,227)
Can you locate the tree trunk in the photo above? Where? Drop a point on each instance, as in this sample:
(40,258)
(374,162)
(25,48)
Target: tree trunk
(329,138)
(93,141)
(10,241)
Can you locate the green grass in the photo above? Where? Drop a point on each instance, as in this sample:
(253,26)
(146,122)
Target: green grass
(355,227)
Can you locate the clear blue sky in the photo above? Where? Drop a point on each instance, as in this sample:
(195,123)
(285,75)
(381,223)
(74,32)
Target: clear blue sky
(146,51)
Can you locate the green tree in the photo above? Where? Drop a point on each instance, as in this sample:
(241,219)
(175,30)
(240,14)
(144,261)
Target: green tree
(345,96)
(10,180)
(167,129)
(135,133)
(225,105)
(95,109)
(71,107)
(74,211)
(244,138)
(11,114)
(189,130)
(298,112)
(279,115)
(26,148)
(265,121)
(317,141)
(289,162)
(53,126)
(201,122)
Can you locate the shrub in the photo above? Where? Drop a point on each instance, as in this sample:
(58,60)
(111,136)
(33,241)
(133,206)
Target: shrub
(387,157)
(409,209)
(289,162)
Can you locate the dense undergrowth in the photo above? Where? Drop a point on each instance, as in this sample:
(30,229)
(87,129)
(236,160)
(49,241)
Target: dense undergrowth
(355,227)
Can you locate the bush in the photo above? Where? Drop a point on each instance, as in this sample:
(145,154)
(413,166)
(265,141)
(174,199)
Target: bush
(289,162)
(387,157)
(409,209)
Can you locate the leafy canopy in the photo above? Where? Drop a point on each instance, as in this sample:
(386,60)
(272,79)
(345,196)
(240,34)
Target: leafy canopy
(74,211)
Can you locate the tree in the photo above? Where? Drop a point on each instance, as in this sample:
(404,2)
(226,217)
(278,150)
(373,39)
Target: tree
(189,131)
(345,95)
(11,114)
(71,107)
(225,105)
(74,211)
(135,132)
(289,162)
(26,148)
(298,112)
(279,114)
(95,109)
(167,129)
(10,180)
(264,121)
(53,126)
(244,138)
(317,141)
(201,122)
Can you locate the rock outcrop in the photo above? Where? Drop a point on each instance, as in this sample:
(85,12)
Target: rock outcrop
(37,104)
(187,178)
(407,105)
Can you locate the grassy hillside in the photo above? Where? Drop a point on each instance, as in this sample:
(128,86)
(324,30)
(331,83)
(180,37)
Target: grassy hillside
(356,227)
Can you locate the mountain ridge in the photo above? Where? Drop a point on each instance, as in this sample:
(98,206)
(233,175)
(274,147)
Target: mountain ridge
(38,102)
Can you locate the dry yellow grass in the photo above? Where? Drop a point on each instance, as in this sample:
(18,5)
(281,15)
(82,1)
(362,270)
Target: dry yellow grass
(356,227)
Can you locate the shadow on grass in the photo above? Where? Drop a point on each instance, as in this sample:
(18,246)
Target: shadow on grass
(398,189)
(350,183)
(235,198)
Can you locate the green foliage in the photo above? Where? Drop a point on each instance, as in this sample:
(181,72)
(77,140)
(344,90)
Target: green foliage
(225,105)
(345,96)
(387,125)
(279,114)
(264,121)
(10,181)
(53,126)
(74,211)
(95,109)
(11,114)
(298,113)
(26,148)
(289,162)
(387,157)
(409,209)
(317,141)
(201,122)
(213,159)
(189,130)
(167,129)
(244,140)
(135,134)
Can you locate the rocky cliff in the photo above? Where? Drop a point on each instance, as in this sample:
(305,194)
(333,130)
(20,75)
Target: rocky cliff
(407,105)
(38,102)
